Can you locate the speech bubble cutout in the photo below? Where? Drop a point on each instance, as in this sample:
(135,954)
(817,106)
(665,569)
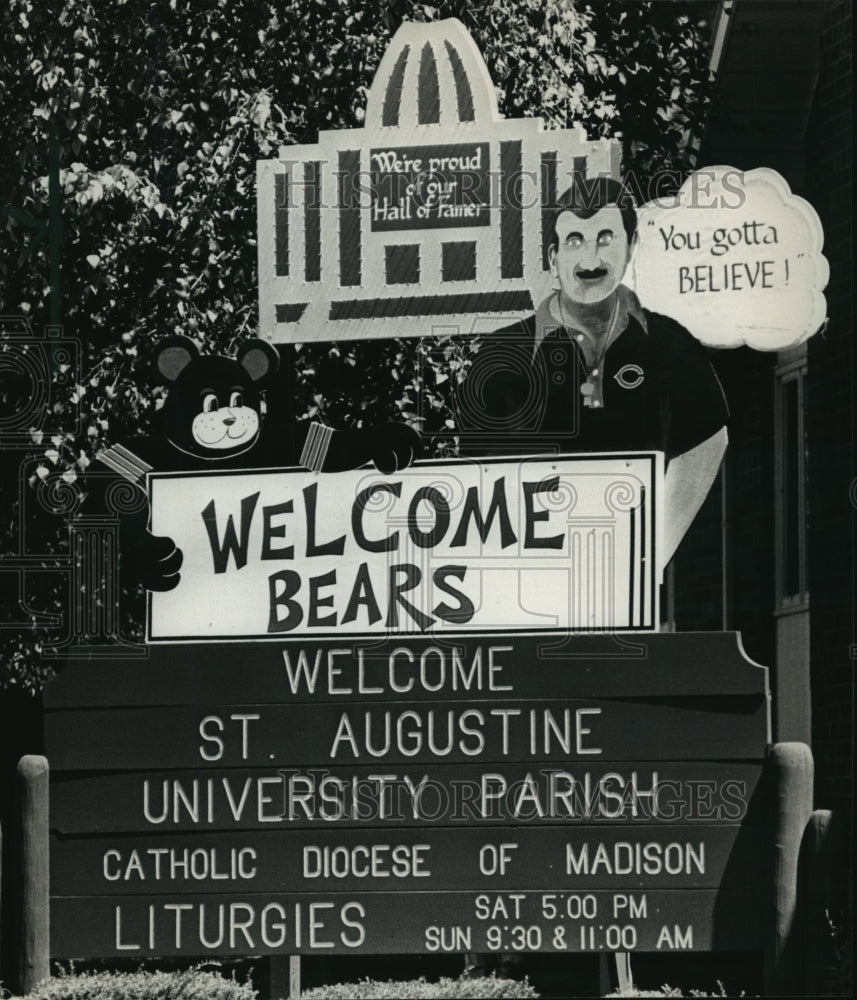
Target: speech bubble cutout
(735,257)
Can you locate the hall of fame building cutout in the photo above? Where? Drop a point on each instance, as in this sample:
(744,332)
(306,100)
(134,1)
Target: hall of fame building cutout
(428,217)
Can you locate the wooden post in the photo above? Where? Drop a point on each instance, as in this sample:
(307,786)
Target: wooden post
(284,978)
(791,777)
(34,964)
(1,894)
(824,860)
(294,976)
(614,972)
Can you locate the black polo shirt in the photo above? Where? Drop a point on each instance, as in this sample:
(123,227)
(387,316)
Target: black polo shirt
(657,391)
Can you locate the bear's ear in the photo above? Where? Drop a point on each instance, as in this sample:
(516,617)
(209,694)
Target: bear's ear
(175,355)
(259,359)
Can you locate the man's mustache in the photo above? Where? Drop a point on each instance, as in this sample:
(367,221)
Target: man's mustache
(587,275)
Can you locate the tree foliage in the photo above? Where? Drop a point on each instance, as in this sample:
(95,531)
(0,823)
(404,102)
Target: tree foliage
(163,109)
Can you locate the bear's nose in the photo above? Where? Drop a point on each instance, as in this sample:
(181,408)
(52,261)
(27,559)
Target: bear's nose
(229,421)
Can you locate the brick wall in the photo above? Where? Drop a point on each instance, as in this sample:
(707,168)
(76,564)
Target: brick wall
(819,169)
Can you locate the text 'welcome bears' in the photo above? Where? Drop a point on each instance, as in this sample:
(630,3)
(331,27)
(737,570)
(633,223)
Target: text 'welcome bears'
(418,523)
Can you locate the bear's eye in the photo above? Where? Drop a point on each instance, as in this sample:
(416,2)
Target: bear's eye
(236,399)
(209,402)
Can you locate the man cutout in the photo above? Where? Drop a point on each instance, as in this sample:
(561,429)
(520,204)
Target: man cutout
(592,370)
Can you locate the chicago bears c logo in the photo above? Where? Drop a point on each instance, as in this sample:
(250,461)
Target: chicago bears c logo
(630,376)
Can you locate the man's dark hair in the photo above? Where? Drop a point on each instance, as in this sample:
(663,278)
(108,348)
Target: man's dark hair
(588,195)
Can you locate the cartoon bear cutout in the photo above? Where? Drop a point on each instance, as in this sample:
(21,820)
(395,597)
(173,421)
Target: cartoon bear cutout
(213,419)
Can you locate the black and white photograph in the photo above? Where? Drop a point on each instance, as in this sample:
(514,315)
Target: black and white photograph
(427,499)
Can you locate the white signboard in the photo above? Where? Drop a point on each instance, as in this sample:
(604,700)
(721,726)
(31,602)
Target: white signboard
(567,543)
(736,258)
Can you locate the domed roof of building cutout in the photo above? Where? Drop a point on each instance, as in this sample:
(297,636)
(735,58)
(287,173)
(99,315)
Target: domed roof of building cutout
(431,74)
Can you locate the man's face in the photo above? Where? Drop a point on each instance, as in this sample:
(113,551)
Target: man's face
(591,254)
